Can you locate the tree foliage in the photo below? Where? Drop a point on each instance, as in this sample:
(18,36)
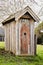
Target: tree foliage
(39,34)
(38,29)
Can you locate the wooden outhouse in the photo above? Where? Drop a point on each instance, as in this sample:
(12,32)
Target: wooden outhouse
(19,32)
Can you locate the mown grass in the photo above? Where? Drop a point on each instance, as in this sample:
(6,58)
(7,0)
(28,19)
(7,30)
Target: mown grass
(2,45)
(7,58)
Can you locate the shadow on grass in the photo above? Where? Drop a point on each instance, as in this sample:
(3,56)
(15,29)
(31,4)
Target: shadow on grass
(8,56)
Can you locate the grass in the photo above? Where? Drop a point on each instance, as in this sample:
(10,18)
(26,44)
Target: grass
(2,45)
(7,58)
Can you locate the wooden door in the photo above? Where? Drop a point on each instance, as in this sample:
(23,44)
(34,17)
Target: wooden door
(25,38)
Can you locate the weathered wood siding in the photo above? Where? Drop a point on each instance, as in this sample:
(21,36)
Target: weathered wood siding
(32,37)
(10,37)
(13,37)
(7,37)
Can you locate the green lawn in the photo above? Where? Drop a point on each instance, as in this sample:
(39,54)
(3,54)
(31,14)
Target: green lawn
(2,45)
(7,58)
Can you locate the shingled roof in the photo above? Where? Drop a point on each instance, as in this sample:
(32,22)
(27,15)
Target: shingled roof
(18,14)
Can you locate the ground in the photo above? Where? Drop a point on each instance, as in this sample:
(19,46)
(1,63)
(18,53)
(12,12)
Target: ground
(7,58)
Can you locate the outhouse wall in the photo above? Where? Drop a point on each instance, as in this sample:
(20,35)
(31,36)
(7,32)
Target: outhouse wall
(10,37)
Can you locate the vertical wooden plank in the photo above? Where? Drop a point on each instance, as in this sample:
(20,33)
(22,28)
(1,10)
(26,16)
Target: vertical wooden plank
(32,37)
(13,37)
(7,37)
(17,37)
(10,37)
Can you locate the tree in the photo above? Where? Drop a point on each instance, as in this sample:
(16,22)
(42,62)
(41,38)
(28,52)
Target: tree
(38,29)
(38,33)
